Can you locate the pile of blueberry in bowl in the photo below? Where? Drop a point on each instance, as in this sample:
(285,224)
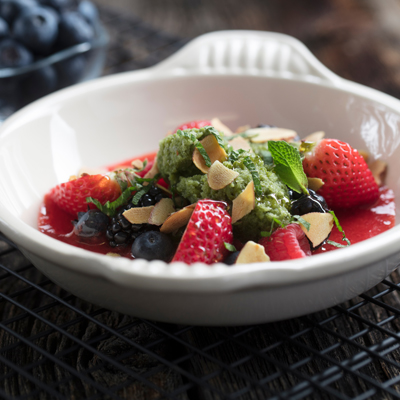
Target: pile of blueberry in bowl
(46,45)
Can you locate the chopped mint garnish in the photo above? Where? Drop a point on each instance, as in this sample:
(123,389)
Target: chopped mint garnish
(288,165)
(297,219)
(340,229)
(331,242)
(254,173)
(279,222)
(211,130)
(274,221)
(109,208)
(203,153)
(244,135)
(235,154)
(230,247)
(198,145)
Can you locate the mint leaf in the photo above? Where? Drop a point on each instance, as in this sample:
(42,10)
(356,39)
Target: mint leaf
(210,129)
(297,219)
(203,153)
(109,208)
(274,221)
(254,174)
(235,154)
(288,165)
(136,198)
(340,229)
(198,145)
(230,247)
(331,242)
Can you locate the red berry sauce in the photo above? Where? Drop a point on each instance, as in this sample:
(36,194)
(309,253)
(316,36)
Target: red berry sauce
(358,224)
(361,224)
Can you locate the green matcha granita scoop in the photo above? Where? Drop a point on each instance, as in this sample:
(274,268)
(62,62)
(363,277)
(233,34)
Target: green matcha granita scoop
(271,195)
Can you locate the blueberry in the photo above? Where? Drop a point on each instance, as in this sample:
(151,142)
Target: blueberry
(265,126)
(309,203)
(4,29)
(147,200)
(231,258)
(58,5)
(153,245)
(39,83)
(91,223)
(71,70)
(89,11)
(37,29)
(13,54)
(11,9)
(74,29)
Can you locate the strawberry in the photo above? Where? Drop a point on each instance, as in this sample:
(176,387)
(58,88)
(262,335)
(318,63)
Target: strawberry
(203,240)
(71,196)
(348,182)
(193,125)
(286,244)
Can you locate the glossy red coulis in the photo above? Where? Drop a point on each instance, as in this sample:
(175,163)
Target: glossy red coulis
(358,224)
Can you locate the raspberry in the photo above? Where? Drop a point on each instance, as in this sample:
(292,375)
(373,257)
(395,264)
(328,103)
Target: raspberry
(287,244)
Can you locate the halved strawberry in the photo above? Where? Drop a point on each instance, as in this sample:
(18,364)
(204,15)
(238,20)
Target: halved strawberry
(286,244)
(348,182)
(71,196)
(193,125)
(203,241)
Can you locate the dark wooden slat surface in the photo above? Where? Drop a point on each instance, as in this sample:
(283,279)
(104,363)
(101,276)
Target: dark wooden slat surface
(359,40)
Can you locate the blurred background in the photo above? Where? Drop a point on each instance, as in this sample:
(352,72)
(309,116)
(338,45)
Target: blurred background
(357,39)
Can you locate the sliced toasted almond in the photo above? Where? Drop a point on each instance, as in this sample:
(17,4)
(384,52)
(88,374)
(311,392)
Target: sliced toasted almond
(240,143)
(92,171)
(263,135)
(152,173)
(113,255)
(378,169)
(315,183)
(137,164)
(72,178)
(364,154)
(219,176)
(169,133)
(244,203)
(219,126)
(162,210)
(138,215)
(314,137)
(178,219)
(243,128)
(321,225)
(252,253)
(213,149)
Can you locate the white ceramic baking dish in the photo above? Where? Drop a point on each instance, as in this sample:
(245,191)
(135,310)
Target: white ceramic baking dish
(241,77)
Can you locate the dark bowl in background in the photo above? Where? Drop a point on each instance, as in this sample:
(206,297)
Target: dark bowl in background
(20,86)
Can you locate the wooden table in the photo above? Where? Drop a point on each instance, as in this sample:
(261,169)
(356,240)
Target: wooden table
(359,40)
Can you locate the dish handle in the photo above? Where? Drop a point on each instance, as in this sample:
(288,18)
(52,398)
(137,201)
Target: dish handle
(247,53)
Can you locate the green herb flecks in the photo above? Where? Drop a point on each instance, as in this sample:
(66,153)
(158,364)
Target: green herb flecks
(332,243)
(288,165)
(109,208)
(197,144)
(274,221)
(340,229)
(297,219)
(254,174)
(211,130)
(235,154)
(230,247)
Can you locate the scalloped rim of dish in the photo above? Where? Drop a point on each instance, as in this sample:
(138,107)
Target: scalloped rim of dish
(198,277)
